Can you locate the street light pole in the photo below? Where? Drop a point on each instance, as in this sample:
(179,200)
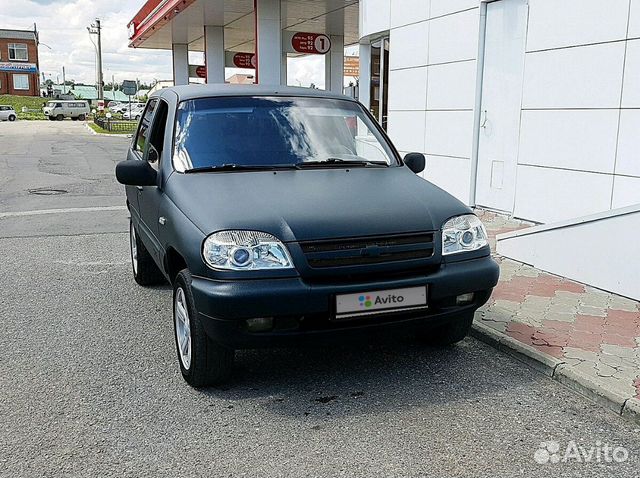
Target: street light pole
(96,29)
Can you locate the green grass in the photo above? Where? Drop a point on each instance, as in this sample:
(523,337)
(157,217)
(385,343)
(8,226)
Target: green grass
(31,102)
(98,129)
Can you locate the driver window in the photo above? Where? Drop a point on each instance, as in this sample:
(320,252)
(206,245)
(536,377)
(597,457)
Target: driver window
(143,129)
(156,136)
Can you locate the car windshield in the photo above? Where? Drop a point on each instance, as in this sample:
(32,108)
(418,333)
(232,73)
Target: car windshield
(262,132)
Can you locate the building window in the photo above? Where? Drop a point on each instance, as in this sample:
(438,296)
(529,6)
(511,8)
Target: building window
(18,51)
(20,82)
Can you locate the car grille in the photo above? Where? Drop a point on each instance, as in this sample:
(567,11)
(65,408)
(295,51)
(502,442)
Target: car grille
(369,250)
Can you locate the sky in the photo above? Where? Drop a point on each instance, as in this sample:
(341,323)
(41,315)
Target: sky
(63,29)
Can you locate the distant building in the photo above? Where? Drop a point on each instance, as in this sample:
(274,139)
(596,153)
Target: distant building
(19,63)
(159,85)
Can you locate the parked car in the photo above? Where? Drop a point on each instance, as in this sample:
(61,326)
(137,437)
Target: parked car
(61,109)
(7,113)
(134,113)
(285,215)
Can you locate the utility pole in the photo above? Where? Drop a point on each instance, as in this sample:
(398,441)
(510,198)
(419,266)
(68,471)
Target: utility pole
(96,29)
(64,81)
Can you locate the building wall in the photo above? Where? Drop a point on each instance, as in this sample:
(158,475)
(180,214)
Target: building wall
(6,77)
(579,143)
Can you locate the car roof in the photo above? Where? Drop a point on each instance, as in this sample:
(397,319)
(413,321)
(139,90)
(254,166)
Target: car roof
(207,91)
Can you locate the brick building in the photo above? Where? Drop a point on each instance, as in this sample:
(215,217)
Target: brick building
(19,63)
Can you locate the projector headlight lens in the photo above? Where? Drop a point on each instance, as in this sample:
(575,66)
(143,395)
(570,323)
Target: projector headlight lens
(245,250)
(463,234)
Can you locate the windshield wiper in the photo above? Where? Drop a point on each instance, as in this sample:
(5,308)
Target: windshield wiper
(342,162)
(240,167)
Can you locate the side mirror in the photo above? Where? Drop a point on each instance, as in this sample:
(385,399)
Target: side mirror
(136,173)
(152,154)
(415,162)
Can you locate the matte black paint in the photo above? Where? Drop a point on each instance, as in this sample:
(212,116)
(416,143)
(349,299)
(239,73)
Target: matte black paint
(297,205)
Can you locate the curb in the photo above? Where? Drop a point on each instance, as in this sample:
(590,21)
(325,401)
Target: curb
(534,358)
(558,370)
(632,409)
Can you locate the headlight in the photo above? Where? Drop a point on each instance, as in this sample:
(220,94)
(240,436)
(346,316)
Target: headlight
(245,250)
(463,234)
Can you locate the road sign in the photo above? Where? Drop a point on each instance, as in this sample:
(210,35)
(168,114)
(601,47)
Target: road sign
(308,43)
(352,66)
(129,87)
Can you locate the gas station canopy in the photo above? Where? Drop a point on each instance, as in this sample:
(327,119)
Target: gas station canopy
(162,23)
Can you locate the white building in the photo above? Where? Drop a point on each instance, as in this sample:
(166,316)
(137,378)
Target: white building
(528,107)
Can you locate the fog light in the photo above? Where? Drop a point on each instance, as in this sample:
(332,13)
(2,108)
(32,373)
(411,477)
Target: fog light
(464,299)
(260,324)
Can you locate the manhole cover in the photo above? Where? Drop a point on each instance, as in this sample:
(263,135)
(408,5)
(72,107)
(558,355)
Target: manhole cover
(47,191)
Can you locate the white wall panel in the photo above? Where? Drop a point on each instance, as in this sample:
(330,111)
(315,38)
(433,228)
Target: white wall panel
(582,77)
(634,20)
(449,133)
(409,46)
(408,89)
(628,161)
(406,130)
(452,86)
(626,191)
(450,174)
(454,37)
(375,16)
(549,195)
(445,7)
(567,249)
(575,139)
(554,24)
(404,12)
(631,93)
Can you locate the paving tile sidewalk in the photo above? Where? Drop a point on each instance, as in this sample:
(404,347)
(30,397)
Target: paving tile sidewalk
(584,337)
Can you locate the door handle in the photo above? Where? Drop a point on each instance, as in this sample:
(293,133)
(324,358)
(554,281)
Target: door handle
(484,122)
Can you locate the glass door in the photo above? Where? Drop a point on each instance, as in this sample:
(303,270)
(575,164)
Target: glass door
(379,94)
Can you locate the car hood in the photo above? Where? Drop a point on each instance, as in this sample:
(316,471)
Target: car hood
(313,204)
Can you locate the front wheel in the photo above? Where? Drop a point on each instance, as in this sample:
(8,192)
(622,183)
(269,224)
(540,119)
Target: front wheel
(60,117)
(203,362)
(81,117)
(449,333)
(12,117)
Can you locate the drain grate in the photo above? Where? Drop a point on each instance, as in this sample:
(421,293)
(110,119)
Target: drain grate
(47,191)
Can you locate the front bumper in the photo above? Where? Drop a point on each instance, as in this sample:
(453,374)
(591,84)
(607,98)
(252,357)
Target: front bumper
(303,310)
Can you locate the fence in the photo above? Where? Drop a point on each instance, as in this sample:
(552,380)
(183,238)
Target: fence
(116,126)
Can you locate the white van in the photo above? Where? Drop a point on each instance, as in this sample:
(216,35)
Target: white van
(61,109)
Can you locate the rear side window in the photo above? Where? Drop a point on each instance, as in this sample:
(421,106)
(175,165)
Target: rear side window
(145,123)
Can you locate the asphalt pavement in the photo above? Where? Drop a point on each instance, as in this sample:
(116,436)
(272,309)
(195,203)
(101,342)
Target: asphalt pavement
(90,386)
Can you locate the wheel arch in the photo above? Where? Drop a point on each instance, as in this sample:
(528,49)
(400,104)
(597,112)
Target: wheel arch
(174,262)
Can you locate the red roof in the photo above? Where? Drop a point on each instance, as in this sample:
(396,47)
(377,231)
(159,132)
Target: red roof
(153,15)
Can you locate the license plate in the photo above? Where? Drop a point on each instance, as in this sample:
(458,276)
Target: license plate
(375,302)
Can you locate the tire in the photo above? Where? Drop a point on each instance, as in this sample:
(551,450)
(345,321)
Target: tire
(74,119)
(448,334)
(203,362)
(60,117)
(51,118)
(145,270)
(12,117)
(82,117)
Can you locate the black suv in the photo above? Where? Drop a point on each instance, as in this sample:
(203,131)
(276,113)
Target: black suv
(282,215)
